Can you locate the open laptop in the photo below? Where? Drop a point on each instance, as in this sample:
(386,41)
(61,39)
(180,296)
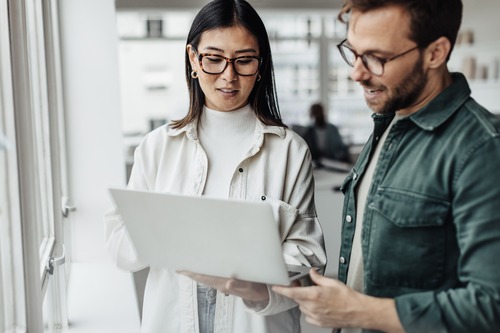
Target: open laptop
(217,237)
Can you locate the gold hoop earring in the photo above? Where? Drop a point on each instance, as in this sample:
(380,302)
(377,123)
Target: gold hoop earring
(194,74)
(259,77)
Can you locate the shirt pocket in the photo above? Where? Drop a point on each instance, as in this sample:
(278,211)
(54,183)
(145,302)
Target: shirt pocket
(284,214)
(406,239)
(300,234)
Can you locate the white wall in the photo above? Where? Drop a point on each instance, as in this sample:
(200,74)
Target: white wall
(153,83)
(95,143)
(481,16)
(101,297)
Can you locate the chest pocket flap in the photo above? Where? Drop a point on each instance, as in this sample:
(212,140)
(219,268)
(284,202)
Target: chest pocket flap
(409,209)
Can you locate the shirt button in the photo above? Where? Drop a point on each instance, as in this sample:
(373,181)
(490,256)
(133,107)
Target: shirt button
(355,176)
(263,197)
(342,260)
(348,218)
(240,169)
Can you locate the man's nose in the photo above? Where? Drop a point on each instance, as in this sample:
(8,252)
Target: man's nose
(359,71)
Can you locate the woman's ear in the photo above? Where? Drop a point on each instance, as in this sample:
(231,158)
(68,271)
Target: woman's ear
(437,52)
(192,56)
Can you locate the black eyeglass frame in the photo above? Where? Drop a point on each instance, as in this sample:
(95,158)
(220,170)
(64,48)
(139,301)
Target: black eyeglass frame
(382,61)
(228,61)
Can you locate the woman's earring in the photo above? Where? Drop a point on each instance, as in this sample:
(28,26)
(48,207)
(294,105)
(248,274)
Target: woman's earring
(194,74)
(259,77)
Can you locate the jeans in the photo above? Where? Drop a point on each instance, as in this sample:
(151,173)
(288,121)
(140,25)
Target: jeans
(206,308)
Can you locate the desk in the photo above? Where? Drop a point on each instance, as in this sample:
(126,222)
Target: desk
(329,208)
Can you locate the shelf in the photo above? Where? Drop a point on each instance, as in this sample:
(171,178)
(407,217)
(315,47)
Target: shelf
(480,63)
(481,47)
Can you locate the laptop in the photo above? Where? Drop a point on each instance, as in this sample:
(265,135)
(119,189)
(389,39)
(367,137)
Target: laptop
(218,237)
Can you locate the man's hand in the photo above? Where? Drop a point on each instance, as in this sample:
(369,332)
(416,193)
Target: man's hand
(330,303)
(249,291)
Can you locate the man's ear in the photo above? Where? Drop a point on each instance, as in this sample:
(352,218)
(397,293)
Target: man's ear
(437,52)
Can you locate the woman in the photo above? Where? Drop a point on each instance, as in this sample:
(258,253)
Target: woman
(231,144)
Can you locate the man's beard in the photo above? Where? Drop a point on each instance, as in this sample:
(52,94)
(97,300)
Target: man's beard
(406,93)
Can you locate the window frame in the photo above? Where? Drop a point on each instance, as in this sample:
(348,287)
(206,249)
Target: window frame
(32,168)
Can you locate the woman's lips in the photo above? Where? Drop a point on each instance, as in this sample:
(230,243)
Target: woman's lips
(228,92)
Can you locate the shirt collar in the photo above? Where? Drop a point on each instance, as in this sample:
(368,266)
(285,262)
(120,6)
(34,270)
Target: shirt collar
(191,131)
(444,105)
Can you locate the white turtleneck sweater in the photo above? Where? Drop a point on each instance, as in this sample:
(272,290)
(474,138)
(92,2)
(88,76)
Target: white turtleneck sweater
(226,136)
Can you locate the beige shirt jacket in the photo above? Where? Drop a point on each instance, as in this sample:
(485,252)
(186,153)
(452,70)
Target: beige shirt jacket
(277,169)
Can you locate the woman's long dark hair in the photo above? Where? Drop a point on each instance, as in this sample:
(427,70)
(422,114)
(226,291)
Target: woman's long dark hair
(228,13)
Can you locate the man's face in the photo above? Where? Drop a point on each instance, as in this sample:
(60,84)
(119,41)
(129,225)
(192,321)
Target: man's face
(383,33)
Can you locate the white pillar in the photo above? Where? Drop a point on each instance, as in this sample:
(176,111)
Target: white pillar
(96,160)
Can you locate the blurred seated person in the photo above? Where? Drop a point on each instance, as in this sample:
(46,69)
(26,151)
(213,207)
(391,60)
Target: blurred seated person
(324,139)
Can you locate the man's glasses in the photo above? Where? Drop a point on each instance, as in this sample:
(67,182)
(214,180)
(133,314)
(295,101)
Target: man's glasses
(216,64)
(373,64)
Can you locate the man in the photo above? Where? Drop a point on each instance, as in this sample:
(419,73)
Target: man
(421,223)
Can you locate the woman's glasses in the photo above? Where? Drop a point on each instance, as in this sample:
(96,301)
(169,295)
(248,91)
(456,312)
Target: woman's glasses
(216,64)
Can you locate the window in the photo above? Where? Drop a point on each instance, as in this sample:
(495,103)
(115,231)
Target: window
(31,171)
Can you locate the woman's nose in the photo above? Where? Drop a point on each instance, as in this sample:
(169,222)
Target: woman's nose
(229,74)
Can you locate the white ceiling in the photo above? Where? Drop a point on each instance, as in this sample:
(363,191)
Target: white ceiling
(267,4)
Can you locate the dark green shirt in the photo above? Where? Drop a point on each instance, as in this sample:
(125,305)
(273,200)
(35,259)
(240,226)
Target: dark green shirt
(431,230)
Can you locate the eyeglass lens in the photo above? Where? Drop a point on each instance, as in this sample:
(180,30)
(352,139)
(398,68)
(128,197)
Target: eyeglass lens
(373,64)
(215,64)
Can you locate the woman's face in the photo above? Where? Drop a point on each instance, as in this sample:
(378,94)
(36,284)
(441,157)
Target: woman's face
(228,90)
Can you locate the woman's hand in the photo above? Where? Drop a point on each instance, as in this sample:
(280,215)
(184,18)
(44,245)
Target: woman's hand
(250,292)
